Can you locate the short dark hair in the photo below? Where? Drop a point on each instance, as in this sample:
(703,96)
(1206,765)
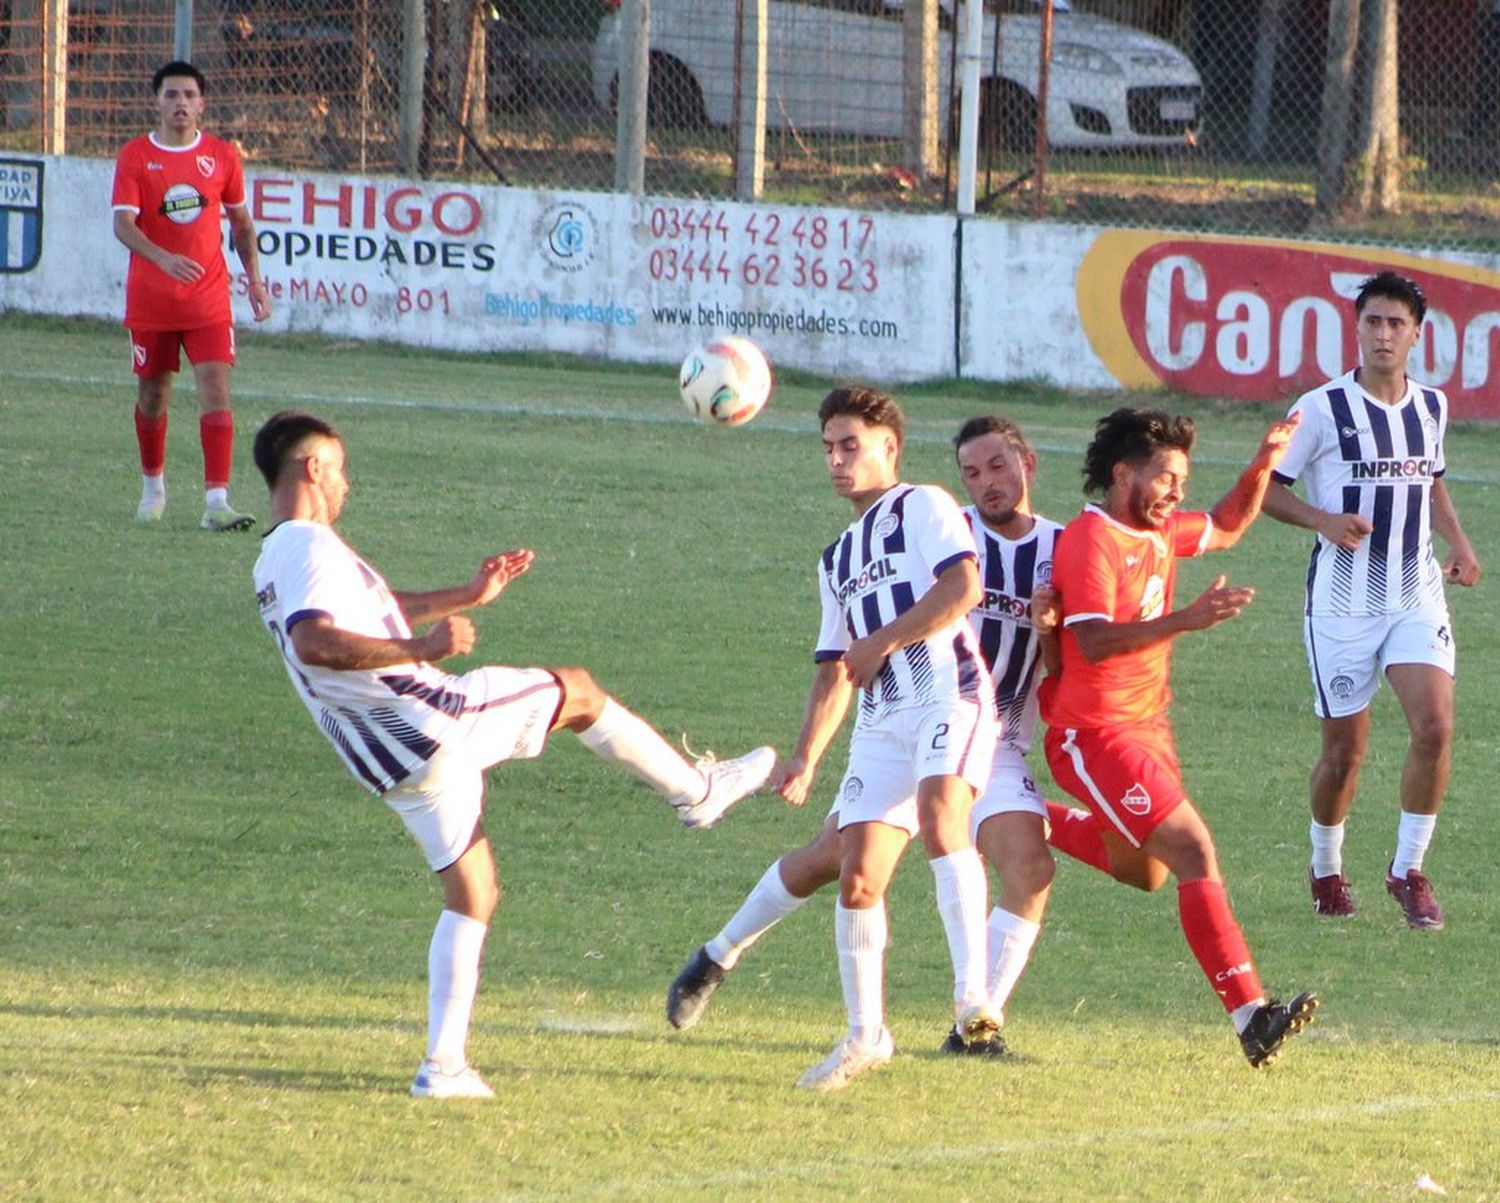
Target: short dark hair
(977,428)
(1393,287)
(279,438)
(1131,436)
(178,67)
(869,404)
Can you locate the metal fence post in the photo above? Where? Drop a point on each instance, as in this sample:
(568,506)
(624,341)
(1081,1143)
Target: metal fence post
(55,77)
(919,122)
(631,92)
(182,31)
(413,79)
(750,95)
(968,104)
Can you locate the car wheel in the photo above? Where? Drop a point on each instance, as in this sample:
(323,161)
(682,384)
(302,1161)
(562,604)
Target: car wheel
(1007,117)
(673,98)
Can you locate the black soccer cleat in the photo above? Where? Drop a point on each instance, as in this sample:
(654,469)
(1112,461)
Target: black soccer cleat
(688,996)
(992,1045)
(1272,1024)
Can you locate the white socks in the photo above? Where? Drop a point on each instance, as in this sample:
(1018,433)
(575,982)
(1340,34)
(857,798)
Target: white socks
(627,739)
(1327,849)
(452,981)
(860,937)
(153,488)
(216,499)
(1011,941)
(962,896)
(764,907)
(1413,834)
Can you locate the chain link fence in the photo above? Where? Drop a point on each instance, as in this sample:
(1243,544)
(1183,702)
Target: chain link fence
(1342,118)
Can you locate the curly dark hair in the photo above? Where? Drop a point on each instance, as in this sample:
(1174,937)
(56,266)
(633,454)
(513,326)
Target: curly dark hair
(870,404)
(1131,436)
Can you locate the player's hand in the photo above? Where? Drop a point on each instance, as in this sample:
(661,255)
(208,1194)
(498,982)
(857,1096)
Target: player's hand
(863,662)
(793,780)
(1218,603)
(451,636)
(1046,609)
(1273,447)
(1462,567)
(260,300)
(180,267)
(1345,530)
(498,571)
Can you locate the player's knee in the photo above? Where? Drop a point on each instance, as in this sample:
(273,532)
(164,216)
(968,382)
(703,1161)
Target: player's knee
(858,892)
(1431,736)
(1031,869)
(583,697)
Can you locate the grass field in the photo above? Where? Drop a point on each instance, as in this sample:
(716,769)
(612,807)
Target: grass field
(213,943)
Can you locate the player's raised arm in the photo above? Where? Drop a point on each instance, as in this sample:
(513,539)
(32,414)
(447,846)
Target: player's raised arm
(1238,508)
(494,574)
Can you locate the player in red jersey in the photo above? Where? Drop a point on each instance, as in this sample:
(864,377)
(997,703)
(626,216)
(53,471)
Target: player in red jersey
(171,187)
(1108,741)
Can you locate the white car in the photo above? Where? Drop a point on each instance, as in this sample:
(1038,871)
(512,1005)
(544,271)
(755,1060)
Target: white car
(835,66)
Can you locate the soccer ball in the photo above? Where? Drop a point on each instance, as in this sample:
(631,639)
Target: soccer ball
(726,380)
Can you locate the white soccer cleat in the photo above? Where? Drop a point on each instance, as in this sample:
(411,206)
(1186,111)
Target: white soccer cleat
(151,508)
(222,518)
(432,1083)
(848,1059)
(729,781)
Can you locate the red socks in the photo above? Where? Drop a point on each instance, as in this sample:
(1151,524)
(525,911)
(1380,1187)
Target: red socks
(1217,942)
(151,437)
(216,432)
(1076,834)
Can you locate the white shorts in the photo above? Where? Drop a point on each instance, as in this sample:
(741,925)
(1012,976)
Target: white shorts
(1347,655)
(1010,790)
(888,759)
(510,713)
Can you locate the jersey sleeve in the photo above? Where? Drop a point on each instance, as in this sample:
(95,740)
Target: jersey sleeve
(126,192)
(1307,440)
(833,633)
(942,532)
(1085,573)
(1190,533)
(311,581)
(233,195)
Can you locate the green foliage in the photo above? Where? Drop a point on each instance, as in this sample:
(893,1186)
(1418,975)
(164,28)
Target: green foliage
(214,942)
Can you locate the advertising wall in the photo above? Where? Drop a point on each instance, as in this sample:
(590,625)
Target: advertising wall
(887,297)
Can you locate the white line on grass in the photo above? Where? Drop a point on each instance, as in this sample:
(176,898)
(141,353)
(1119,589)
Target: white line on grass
(789,1173)
(583,412)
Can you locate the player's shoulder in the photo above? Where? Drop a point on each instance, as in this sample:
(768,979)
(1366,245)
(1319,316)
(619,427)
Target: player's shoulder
(1318,401)
(135,149)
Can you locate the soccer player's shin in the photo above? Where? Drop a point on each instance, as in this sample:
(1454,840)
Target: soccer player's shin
(766,905)
(625,738)
(452,981)
(1216,940)
(216,433)
(861,936)
(1075,833)
(1011,941)
(962,898)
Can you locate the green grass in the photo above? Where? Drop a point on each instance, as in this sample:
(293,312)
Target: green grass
(212,942)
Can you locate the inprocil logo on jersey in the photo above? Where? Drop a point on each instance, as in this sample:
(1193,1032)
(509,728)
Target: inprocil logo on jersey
(1264,320)
(182,204)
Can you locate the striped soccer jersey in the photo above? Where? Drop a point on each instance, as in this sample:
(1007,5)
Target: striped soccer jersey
(385,722)
(1356,455)
(1010,570)
(880,567)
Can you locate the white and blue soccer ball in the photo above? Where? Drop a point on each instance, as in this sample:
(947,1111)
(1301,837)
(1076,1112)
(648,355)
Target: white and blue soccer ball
(726,381)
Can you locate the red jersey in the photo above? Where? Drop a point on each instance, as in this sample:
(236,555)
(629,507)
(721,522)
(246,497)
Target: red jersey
(178,195)
(1103,569)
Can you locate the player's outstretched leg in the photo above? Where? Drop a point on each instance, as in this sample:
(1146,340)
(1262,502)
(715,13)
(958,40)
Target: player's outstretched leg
(701,793)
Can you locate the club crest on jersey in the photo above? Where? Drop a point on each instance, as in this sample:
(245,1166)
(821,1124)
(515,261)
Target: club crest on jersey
(886,527)
(1136,800)
(1043,573)
(138,353)
(1342,686)
(853,788)
(206,165)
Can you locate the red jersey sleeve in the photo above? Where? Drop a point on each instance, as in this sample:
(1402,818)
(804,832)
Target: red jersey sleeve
(1085,572)
(1190,531)
(126,193)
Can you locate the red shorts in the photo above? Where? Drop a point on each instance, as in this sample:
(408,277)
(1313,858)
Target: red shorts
(1127,775)
(154,352)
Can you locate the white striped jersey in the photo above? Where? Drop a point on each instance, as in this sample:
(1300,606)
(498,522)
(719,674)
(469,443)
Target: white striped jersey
(880,567)
(1355,454)
(1010,570)
(384,722)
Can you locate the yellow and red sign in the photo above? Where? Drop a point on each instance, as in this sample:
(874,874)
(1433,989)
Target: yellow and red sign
(1267,319)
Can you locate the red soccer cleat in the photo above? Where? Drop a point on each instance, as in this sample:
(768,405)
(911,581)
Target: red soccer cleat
(1414,893)
(1331,895)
